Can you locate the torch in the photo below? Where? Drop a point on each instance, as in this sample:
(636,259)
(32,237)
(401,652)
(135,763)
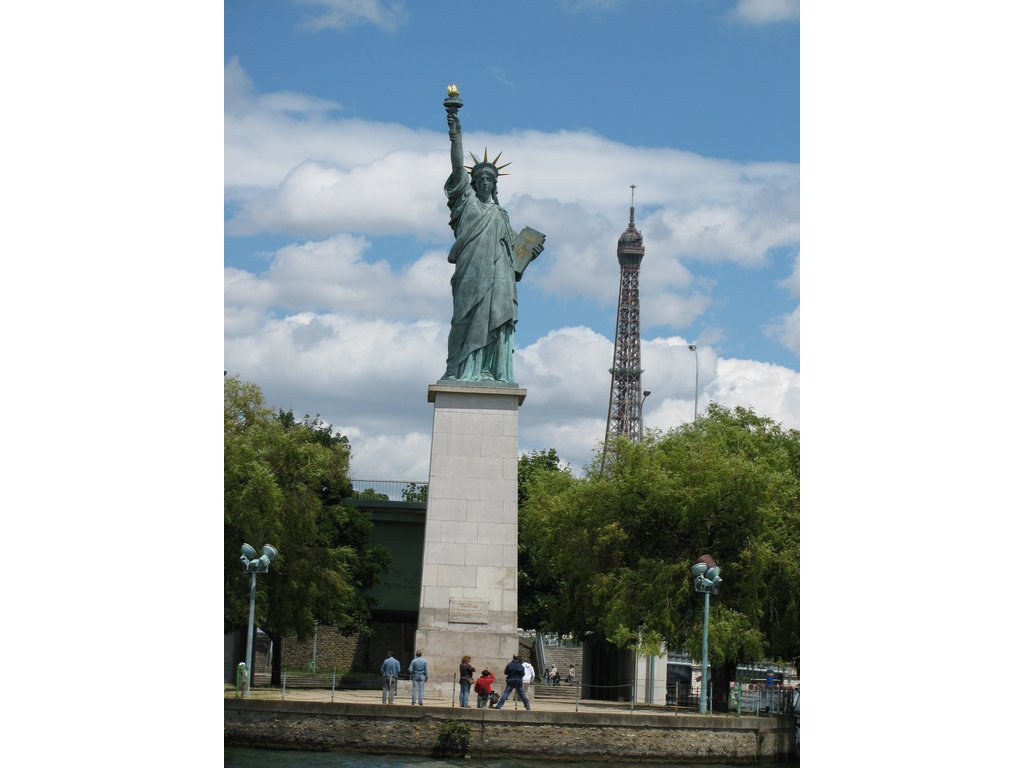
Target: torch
(453,103)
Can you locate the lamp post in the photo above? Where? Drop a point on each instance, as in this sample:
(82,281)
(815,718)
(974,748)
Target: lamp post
(696,378)
(705,579)
(253,565)
(647,394)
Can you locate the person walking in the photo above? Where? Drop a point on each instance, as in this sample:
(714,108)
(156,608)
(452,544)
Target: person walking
(389,671)
(418,671)
(555,680)
(466,671)
(570,676)
(513,682)
(483,688)
(528,675)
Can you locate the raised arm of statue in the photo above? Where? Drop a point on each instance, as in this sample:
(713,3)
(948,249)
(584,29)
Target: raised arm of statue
(455,134)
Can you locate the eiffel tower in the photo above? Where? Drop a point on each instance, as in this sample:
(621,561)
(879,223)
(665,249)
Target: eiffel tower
(625,400)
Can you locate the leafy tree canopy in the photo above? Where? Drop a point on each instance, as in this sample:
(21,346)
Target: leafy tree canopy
(415,492)
(284,480)
(616,547)
(539,588)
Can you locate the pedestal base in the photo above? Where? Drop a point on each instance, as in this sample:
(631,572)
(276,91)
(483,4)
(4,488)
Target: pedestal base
(469,596)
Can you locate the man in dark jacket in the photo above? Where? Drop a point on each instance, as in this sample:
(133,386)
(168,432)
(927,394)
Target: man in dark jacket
(513,682)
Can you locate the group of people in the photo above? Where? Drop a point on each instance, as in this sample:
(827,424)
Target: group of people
(553,677)
(389,672)
(518,676)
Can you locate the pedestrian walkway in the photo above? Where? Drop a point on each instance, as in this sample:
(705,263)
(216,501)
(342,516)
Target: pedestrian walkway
(435,699)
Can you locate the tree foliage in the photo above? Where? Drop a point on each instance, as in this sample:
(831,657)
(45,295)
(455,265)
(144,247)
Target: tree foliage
(616,546)
(284,481)
(415,492)
(538,587)
(372,494)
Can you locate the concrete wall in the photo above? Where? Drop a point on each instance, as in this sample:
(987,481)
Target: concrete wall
(537,735)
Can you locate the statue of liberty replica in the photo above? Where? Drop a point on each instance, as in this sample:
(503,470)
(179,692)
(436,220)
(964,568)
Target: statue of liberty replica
(469,593)
(489,259)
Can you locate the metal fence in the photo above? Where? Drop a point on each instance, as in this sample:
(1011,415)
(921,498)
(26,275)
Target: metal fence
(389,490)
(758,698)
(370,689)
(744,698)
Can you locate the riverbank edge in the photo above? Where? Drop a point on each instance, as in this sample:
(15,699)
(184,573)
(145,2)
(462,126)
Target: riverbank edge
(545,735)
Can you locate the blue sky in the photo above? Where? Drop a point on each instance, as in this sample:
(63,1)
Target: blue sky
(336,285)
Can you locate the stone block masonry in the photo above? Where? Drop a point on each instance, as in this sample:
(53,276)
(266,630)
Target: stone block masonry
(469,597)
(534,735)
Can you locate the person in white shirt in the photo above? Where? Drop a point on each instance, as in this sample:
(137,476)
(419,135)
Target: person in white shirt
(528,675)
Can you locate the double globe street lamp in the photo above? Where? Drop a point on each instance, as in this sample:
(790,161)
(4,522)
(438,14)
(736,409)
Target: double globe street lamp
(252,564)
(705,579)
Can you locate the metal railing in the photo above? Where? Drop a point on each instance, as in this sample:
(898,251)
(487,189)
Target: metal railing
(390,490)
(758,699)
(330,686)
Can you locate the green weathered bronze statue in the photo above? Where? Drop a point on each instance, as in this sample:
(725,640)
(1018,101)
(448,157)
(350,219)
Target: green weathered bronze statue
(489,259)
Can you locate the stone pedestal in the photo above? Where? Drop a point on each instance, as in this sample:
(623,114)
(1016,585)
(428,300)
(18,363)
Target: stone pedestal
(468,598)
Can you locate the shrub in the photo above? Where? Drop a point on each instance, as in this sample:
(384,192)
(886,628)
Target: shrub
(452,739)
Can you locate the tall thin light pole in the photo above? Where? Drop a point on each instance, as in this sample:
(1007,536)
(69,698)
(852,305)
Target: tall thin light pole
(647,393)
(248,642)
(704,658)
(253,565)
(706,579)
(696,379)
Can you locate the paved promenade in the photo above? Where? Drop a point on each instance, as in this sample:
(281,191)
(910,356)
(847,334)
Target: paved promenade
(436,700)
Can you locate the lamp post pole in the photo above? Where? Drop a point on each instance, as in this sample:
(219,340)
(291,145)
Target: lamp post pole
(705,579)
(253,565)
(696,379)
(248,642)
(704,658)
(647,393)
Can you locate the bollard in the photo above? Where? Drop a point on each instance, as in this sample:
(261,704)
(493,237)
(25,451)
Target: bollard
(455,679)
(239,678)
(334,679)
(284,683)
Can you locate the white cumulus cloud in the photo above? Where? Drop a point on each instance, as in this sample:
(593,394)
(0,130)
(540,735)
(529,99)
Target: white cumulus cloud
(343,14)
(761,12)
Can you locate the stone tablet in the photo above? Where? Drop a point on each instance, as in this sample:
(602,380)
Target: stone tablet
(467,610)
(528,244)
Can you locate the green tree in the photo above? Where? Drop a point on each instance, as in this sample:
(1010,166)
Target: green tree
(371,494)
(284,481)
(415,492)
(539,591)
(619,544)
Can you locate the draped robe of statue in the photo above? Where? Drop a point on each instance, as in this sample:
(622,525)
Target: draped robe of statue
(483,287)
